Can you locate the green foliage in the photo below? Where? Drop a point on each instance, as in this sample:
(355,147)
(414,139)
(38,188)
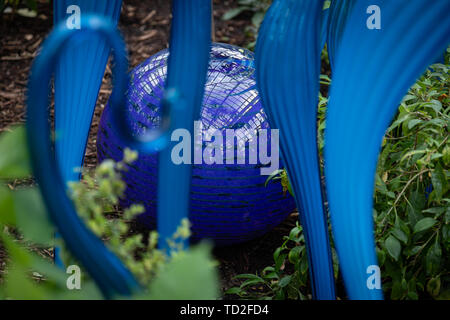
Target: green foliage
(411,208)
(287,278)
(411,203)
(25,232)
(281,175)
(96,198)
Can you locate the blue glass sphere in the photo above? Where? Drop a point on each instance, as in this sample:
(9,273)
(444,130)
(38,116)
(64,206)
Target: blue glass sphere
(230,203)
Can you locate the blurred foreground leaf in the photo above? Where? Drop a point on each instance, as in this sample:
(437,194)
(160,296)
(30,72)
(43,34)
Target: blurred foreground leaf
(14,157)
(189,275)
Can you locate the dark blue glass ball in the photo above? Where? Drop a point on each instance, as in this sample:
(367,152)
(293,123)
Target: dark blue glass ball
(230,203)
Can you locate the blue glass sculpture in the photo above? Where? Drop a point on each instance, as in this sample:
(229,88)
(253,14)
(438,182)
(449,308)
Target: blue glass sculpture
(373,69)
(107,270)
(229,203)
(78,77)
(291,34)
(337,17)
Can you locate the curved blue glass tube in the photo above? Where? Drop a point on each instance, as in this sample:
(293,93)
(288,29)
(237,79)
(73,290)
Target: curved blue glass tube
(78,77)
(190,43)
(111,276)
(373,70)
(287,73)
(324,27)
(337,18)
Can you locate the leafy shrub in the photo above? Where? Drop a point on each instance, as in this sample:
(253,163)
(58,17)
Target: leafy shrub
(411,210)
(287,278)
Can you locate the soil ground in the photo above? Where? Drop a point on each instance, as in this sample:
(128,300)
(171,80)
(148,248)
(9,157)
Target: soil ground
(145,26)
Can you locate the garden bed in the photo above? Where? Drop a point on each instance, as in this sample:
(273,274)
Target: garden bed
(145,26)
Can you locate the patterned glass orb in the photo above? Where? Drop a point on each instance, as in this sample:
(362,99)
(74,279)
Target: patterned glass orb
(230,203)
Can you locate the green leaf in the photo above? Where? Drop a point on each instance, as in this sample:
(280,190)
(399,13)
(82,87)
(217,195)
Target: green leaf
(189,276)
(446,155)
(381,255)
(433,258)
(413,123)
(250,276)
(31,216)
(335,259)
(268,269)
(436,105)
(234,290)
(424,224)
(272,176)
(413,295)
(294,254)
(393,247)
(257,19)
(285,281)
(230,14)
(6,207)
(271,275)
(446,233)
(399,121)
(14,155)
(439,182)
(294,233)
(437,211)
(400,235)
(304,265)
(20,287)
(18,255)
(279,257)
(447,215)
(412,291)
(251,282)
(397,291)
(279,295)
(434,286)
(412,153)
(415,206)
